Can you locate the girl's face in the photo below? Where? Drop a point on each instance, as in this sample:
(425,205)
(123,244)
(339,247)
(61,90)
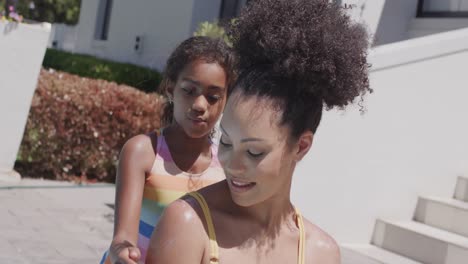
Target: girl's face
(254,151)
(199,96)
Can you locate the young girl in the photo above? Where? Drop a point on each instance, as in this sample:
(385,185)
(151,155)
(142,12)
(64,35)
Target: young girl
(158,168)
(296,57)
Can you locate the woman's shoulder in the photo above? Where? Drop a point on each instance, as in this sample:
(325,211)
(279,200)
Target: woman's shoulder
(184,217)
(183,211)
(189,209)
(178,222)
(320,246)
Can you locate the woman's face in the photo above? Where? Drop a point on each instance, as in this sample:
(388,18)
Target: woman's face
(199,96)
(254,151)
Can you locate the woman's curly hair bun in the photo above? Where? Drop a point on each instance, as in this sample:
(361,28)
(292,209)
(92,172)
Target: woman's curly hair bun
(311,41)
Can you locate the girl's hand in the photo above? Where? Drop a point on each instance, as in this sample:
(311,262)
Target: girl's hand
(124,253)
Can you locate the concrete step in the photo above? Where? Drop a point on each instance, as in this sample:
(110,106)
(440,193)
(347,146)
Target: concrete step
(421,242)
(461,189)
(370,254)
(448,214)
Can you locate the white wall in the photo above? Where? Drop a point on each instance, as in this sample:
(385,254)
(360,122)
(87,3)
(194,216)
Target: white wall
(163,25)
(204,11)
(394,23)
(412,140)
(391,21)
(427,26)
(86,26)
(368,12)
(22,49)
(65,37)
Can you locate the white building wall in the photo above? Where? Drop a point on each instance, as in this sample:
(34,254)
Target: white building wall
(390,21)
(204,11)
(395,22)
(368,12)
(86,26)
(412,140)
(386,20)
(427,26)
(163,25)
(63,36)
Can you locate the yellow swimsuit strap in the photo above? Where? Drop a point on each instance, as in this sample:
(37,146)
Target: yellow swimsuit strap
(301,249)
(214,258)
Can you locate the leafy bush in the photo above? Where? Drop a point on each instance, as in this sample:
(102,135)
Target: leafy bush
(213,30)
(77,126)
(87,66)
(52,11)
(9,13)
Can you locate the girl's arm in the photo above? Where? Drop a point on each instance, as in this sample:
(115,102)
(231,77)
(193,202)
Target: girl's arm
(179,237)
(135,161)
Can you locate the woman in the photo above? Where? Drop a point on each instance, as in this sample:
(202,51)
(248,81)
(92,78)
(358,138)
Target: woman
(296,57)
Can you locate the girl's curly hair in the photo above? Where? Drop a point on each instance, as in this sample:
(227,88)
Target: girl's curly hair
(303,54)
(206,49)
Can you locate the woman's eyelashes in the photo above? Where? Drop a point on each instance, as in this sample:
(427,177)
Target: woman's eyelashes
(255,154)
(224,143)
(252,153)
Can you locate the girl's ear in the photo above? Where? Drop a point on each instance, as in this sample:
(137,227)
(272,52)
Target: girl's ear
(167,87)
(170,92)
(303,145)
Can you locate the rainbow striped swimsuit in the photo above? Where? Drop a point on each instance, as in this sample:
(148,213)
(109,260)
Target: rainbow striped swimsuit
(166,184)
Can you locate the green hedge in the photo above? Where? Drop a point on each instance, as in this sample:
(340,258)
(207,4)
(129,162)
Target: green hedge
(87,66)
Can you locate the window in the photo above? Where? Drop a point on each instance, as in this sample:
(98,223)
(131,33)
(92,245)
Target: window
(446,8)
(229,9)
(103,19)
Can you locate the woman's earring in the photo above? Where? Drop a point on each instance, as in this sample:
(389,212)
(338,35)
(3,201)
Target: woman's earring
(170,101)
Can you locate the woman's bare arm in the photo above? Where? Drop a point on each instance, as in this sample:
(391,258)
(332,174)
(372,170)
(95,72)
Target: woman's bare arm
(179,237)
